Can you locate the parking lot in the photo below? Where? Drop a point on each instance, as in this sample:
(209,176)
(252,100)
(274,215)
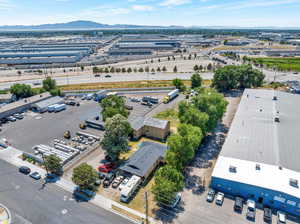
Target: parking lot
(37,128)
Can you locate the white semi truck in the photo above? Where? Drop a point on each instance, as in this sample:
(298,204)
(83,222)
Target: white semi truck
(171,95)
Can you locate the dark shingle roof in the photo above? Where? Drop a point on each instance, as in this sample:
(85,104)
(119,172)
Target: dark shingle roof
(143,159)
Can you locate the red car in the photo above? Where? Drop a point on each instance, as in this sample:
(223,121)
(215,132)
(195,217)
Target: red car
(106,168)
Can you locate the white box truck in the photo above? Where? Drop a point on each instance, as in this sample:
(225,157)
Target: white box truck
(51,107)
(171,95)
(59,107)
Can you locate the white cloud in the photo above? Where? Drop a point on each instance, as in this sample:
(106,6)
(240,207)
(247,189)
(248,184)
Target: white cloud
(142,8)
(174,2)
(5,4)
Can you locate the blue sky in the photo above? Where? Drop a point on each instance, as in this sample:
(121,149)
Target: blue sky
(248,13)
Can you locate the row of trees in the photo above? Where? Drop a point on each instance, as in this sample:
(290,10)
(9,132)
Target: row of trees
(196,81)
(97,70)
(235,77)
(23,91)
(197,117)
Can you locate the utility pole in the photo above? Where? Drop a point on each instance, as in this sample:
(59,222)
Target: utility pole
(146,206)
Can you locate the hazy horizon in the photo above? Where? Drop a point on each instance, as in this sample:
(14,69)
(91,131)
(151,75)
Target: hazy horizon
(232,13)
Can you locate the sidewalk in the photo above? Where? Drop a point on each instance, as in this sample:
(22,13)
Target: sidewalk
(12,155)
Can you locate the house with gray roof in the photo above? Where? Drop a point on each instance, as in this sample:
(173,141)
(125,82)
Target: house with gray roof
(144,161)
(150,127)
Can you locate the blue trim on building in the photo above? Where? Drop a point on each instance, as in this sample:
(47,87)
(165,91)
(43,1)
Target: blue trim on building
(273,199)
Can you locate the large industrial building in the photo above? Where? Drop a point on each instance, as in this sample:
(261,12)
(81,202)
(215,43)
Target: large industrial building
(260,158)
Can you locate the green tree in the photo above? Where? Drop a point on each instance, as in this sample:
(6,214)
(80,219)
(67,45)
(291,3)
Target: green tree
(213,104)
(158,69)
(209,67)
(188,114)
(164,69)
(200,68)
(85,176)
(106,70)
(167,182)
(95,70)
(152,70)
(182,146)
(113,105)
(123,70)
(141,70)
(55,92)
(129,70)
(49,84)
(112,70)
(147,69)
(115,140)
(178,83)
(196,80)
(53,164)
(196,68)
(169,58)
(82,68)
(234,77)
(135,70)
(175,69)
(21,90)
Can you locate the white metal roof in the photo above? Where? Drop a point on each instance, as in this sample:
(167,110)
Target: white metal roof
(255,136)
(268,177)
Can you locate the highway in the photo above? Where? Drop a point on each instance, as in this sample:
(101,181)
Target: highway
(29,203)
(118,77)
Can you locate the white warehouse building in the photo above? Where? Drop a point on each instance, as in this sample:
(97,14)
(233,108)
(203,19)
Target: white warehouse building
(260,159)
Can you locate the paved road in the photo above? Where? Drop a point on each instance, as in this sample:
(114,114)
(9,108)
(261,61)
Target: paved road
(30,204)
(80,79)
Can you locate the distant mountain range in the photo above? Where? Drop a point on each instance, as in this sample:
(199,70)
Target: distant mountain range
(88,25)
(80,24)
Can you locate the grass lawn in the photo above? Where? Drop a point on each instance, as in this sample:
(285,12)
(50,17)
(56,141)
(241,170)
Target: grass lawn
(138,202)
(170,115)
(131,84)
(283,64)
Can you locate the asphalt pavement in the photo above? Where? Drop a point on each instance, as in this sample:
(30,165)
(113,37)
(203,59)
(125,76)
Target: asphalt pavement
(30,203)
(119,77)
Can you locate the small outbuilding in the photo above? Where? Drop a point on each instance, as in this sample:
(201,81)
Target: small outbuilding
(150,127)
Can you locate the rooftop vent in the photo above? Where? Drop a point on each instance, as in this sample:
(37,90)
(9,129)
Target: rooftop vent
(276,119)
(275,98)
(257,166)
(294,182)
(232,169)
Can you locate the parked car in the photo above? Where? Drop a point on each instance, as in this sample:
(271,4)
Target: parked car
(117,181)
(18,116)
(220,198)
(83,194)
(106,168)
(108,76)
(250,210)
(176,200)
(11,118)
(24,169)
(97,75)
(102,175)
(281,219)
(267,215)
(210,195)
(124,182)
(35,175)
(108,179)
(238,204)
